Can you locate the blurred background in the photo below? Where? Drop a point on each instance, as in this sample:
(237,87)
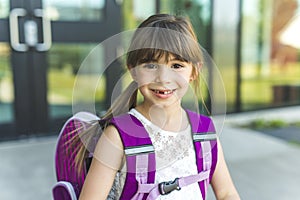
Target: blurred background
(254,43)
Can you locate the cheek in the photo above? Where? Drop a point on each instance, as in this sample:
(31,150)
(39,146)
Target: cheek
(182,81)
(143,79)
(140,77)
(184,78)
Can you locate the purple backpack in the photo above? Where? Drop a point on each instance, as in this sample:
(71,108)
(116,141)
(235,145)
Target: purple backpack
(69,179)
(138,148)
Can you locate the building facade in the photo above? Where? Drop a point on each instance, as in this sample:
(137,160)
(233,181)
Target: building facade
(44,44)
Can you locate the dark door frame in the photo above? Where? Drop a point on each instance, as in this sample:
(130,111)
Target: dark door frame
(30,68)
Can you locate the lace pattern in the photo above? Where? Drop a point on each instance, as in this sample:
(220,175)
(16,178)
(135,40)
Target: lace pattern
(175,157)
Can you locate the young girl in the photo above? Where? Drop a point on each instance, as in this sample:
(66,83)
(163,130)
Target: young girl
(164,58)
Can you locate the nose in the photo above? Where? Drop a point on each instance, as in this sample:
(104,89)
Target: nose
(163,74)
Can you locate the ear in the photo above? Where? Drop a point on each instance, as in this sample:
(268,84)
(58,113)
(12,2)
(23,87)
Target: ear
(196,70)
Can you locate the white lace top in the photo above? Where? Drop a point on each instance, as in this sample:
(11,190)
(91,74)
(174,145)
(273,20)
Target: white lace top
(175,157)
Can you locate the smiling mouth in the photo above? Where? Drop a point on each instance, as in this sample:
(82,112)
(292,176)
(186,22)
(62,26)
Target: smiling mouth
(163,91)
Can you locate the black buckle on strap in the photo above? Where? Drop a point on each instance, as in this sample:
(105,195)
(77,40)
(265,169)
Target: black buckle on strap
(167,187)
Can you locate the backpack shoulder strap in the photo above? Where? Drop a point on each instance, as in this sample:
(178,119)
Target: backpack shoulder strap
(205,144)
(140,157)
(139,151)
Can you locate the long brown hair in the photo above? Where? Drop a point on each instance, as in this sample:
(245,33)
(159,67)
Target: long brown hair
(159,36)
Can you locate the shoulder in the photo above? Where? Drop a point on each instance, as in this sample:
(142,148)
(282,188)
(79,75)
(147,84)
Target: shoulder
(113,127)
(120,129)
(111,133)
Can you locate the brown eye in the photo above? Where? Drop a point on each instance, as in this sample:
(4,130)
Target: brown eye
(177,66)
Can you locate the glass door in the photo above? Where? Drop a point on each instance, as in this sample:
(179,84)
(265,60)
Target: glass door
(42,44)
(270,68)
(6,78)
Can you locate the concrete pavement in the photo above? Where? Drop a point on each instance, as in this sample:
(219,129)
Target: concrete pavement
(262,167)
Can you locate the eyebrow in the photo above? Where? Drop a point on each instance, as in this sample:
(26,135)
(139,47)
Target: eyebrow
(177,58)
(146,60)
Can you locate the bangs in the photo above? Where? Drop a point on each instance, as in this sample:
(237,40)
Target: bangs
(157,43)
(150,55)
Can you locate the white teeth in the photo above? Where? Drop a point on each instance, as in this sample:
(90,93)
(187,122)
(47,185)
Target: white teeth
(163,92)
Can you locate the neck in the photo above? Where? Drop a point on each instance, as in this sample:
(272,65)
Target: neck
(171,118)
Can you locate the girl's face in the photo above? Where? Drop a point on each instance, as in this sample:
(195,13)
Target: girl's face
(161,82)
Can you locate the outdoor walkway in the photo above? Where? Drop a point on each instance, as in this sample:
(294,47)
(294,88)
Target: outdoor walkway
(262,167)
